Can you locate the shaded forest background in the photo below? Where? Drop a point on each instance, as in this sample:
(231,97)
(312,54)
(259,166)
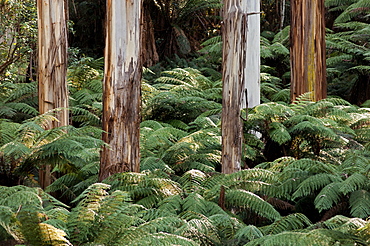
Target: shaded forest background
(306,167)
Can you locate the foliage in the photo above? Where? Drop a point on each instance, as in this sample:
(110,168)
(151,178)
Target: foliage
(348,50)
(29,145)
(18,31)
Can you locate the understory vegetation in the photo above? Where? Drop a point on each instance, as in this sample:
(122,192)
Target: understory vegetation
(305,170)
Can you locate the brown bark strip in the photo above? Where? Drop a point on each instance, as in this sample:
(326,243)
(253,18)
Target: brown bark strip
(221,200)
(308,55)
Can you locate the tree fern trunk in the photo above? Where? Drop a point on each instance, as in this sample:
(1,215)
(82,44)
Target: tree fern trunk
(308,58)
(52,66)
(234,34)
(121,96)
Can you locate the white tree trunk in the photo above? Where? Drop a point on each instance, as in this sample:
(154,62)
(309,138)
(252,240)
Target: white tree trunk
(122,78)
(253,64)
(52,66)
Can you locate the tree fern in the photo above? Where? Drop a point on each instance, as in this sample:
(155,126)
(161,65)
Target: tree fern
(359,203)
(245,199)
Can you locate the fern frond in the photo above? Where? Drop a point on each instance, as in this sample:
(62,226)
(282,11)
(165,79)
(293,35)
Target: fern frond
(354,182)
(288,223)
(192,180)
(247,233)
(313,183)
(360,203)
(328,196)
(246,199)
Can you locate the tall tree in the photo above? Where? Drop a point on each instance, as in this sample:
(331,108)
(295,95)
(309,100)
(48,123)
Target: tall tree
(308,57)
(52,66)
(234,35)
(121,96)
(253,60)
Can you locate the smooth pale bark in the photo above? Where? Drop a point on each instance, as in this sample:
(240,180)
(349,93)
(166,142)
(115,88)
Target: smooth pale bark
(52,67)
(308,57)
(121,96)
(253,63)
(234,35)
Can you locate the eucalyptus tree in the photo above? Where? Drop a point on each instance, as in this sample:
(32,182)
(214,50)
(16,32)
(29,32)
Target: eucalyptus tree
(239,61)
(52,67)
(121,90)
(308,57)
(234,57)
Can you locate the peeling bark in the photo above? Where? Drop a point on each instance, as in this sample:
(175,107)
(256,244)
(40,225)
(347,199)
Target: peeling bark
(52,67)
(121,96)
(234,35)
(308,57)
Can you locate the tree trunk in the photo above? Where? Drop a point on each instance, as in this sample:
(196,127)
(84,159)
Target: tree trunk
(252,69)
(234,34)
(52,67)
(308,58)
(149,53)
(121,96)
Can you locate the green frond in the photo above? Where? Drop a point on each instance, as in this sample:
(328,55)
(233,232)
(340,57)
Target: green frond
(161,239)
(11,197)
(284,238)
(114,215)
(314,183)
(82,217)
(279,133)
(172,204)
(278,164)
(84,116)
(201,231)
(192,180)
(246,199)
(314,166)
(289,180)
(355,163)
(195,203)
(21,91)
(152,124)
(154,163)
(146,189)
(344,224)
(354,182)
(247,233)
(228,227)
(360,203)
(291,222)
(328,196)
(355,9)
(30,221)
(8,221)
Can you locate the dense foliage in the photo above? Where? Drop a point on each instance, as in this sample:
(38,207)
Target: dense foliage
(306,166)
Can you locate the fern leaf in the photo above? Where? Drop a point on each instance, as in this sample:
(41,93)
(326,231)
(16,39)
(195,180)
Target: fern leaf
(246,199)
(360,203)
(328,196)
(313,183)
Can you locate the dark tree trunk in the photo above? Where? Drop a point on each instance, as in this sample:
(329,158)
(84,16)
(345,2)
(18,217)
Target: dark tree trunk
(307,51)
(149,53)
